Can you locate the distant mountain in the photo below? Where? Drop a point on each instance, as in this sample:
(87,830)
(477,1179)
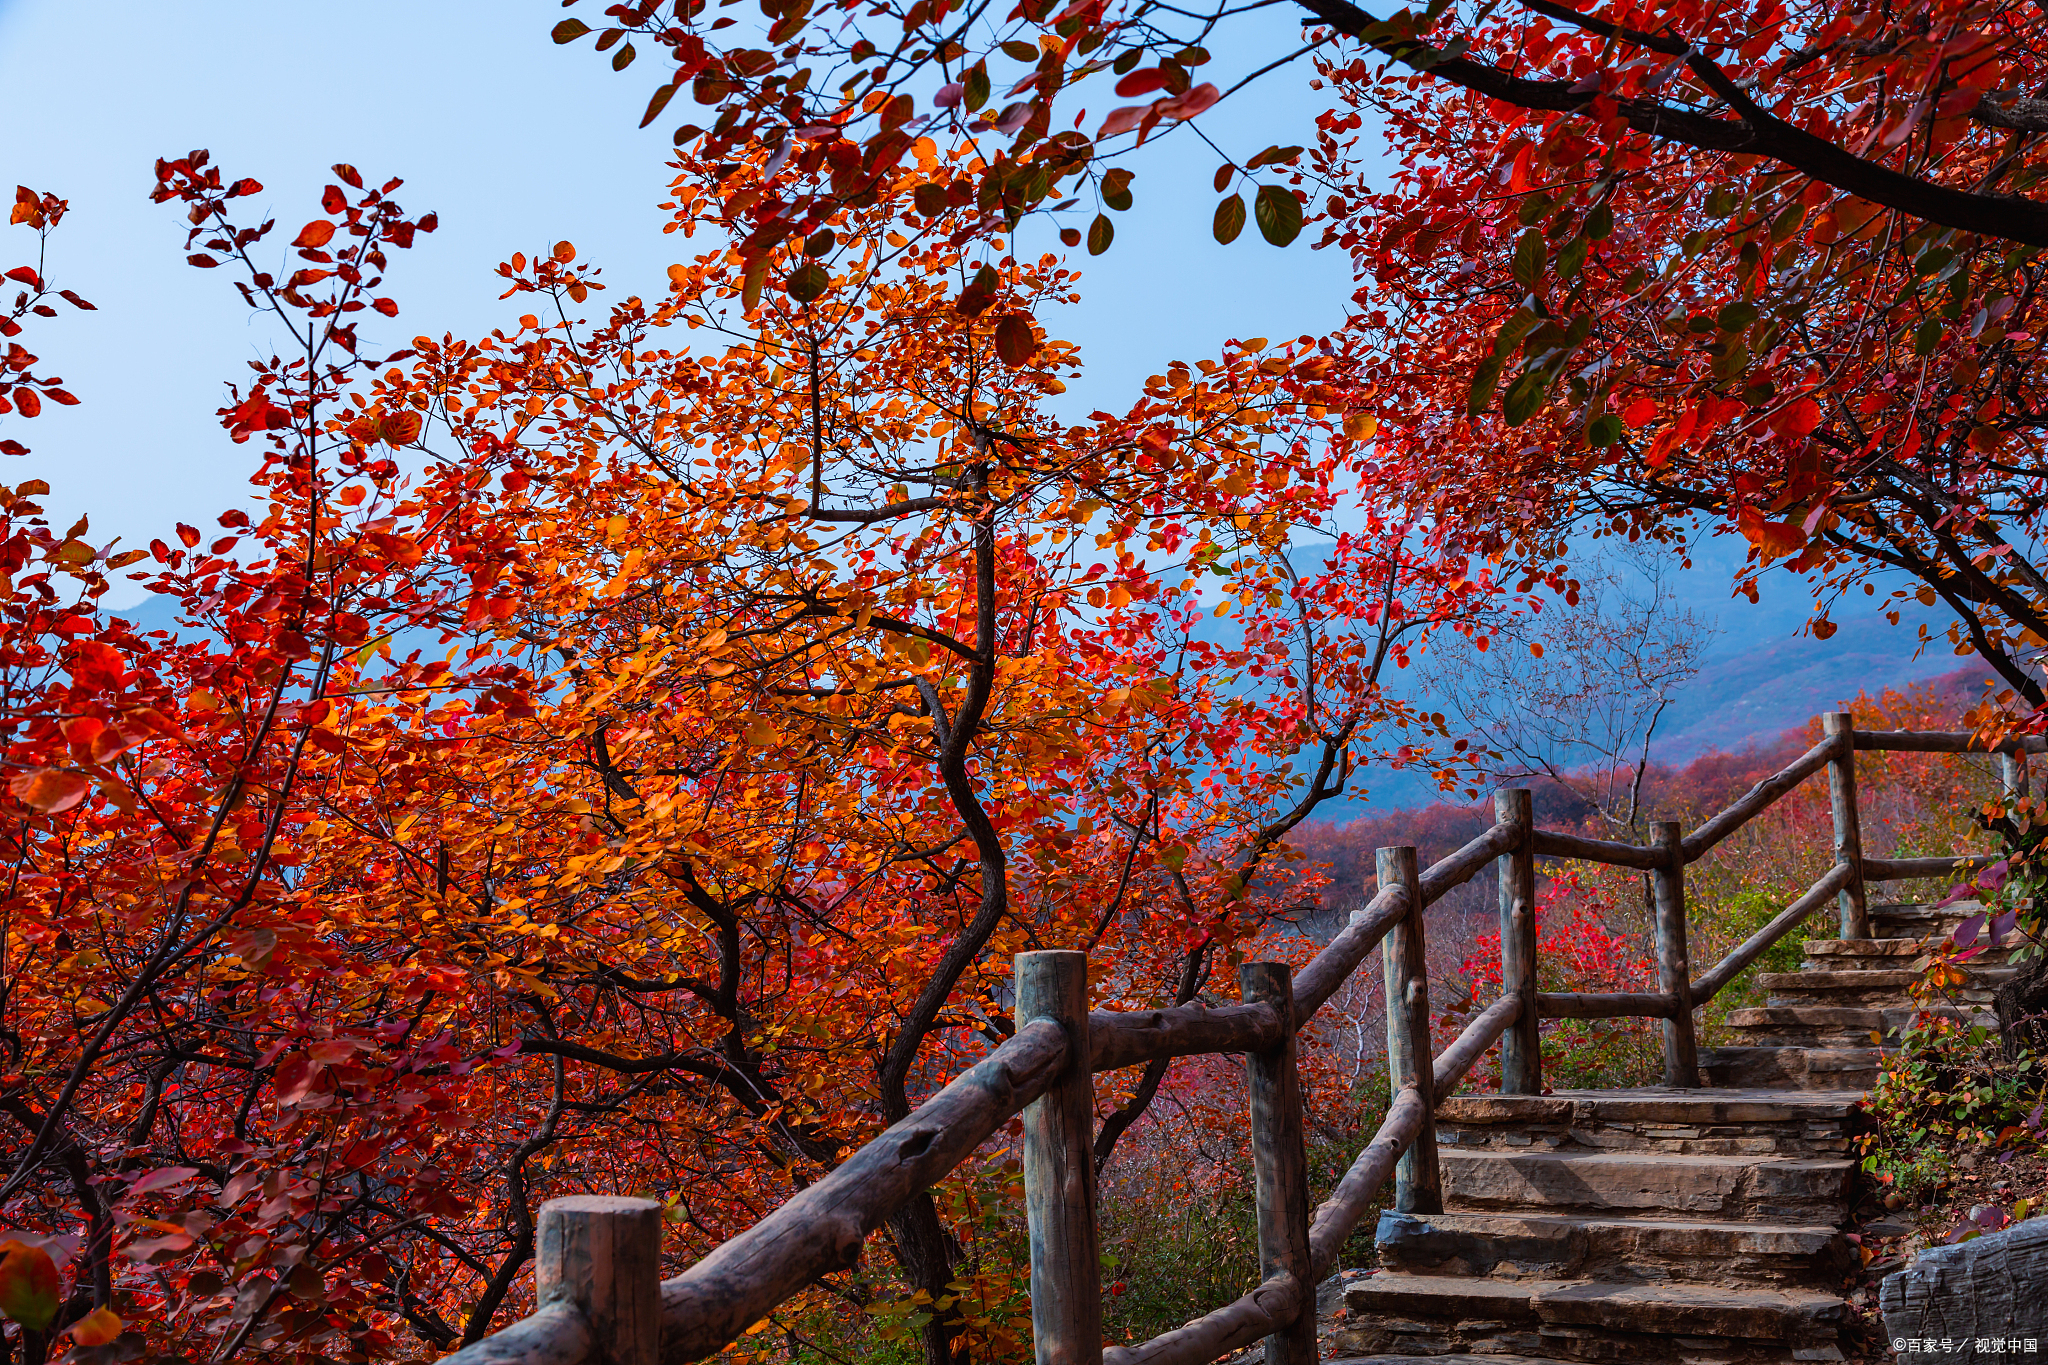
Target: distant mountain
(1755,688)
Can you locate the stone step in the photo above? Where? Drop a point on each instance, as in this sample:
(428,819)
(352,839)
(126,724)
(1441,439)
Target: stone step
(1771,1188)
(1920,921)
(1835,1026)
(1681,1357)
(1858,990)
(1587,1320)
(1615,1249)
(1824,980)
(1453,1359)
(1850,954)
(1655,1118)
(1793,1068)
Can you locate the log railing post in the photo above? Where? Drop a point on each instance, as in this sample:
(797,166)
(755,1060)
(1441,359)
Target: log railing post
(1059,1170)
(1280,1161)
(1521,1046)
(603,1254)
(1417,1185)
(1848,825)
(1674,970)
(2012,773)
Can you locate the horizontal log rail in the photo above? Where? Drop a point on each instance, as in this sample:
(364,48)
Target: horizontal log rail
(1617,1005)
(1912,869)
(1947,742)
(1551,843)
(824,1227)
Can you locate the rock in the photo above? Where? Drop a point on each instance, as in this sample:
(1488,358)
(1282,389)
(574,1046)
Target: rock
(2022,1007)
(1989,1288)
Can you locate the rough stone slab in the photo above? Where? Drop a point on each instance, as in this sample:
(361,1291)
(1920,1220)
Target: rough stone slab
(1852,948)
(1442,1297)
(1804,1068)
(1898,982)
(1785,1315)
(1806,1016)
(1990,1286)
(1441,1360)
(1568,1246)
(1649,1104)
(1790,1188)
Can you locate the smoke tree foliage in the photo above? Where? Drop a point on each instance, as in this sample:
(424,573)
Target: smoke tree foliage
(1772,263)
(624,751)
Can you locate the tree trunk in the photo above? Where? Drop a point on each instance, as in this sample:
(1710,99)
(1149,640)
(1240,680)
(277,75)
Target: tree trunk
(2022,1005)
(926,1252)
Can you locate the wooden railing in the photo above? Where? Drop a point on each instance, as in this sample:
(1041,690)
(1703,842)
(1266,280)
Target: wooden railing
(601,1302)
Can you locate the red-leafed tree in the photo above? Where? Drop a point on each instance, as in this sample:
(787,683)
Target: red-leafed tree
(1771,265)
(625,754)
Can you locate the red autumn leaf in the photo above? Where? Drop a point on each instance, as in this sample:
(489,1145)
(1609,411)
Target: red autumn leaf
(26,276)
(1141,83)
(96,666)
(1802,417)
(1016,343)
(30,403)
(1121,121)
(1190,104)
(385,306)
(296,1078)
(333,200)
(397,549)
(52,791)
(317,233)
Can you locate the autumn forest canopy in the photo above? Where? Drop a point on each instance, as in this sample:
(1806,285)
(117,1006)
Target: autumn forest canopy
(623,751)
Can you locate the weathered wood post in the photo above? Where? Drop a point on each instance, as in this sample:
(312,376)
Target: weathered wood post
(1848,825)
(2012,771)
(1410,1063)
(1059,1170)
(1280,1161)
(1521,1046)
(1674,968)
(603,1254)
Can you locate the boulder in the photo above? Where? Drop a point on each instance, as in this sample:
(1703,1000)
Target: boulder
(1968,1302)
(2022,1007)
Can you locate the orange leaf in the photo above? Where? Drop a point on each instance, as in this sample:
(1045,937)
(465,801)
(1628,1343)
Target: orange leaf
(52,791)
(97,1328)
(319,232)
(400,428)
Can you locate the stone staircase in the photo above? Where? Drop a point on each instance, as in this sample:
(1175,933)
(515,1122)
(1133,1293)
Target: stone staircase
(1661,1226)
(1828,1025)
